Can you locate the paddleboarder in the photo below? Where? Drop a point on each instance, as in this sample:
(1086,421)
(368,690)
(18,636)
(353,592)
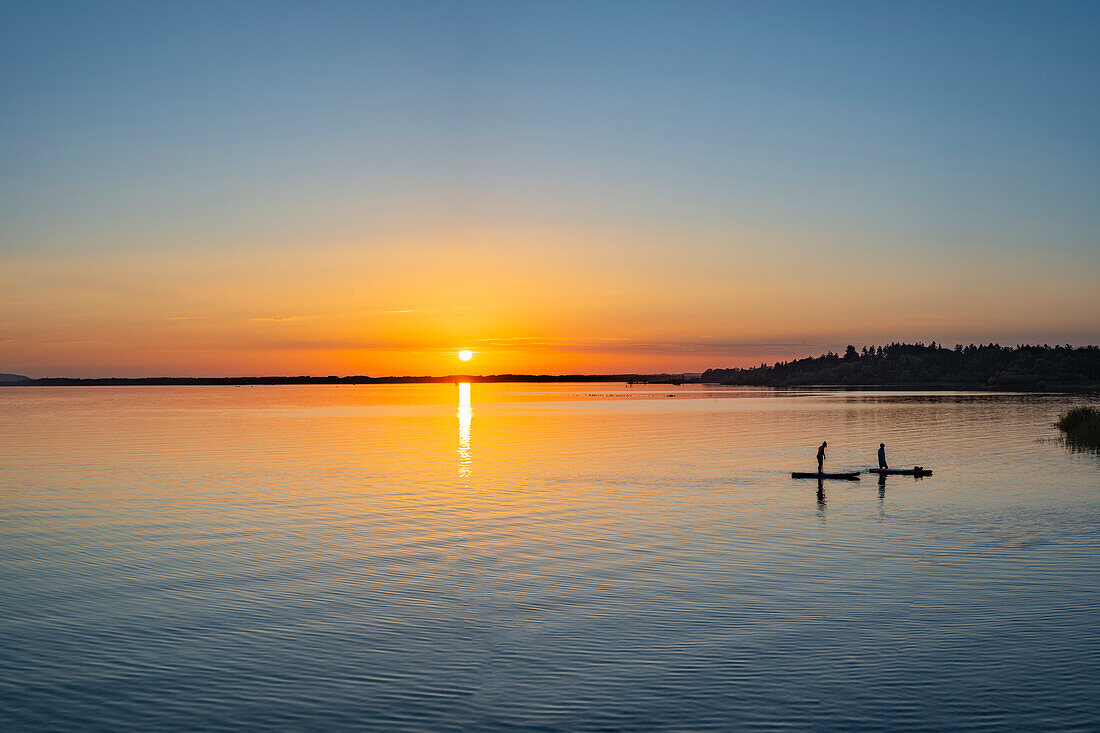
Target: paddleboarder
(821,455)
(882,456)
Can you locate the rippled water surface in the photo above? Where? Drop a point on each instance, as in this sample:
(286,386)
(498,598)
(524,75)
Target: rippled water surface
(541,557)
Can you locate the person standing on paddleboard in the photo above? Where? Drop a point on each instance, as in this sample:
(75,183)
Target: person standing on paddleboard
(821,455)
(882,456)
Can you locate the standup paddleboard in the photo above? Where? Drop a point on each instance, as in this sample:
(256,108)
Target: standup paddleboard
(850,475)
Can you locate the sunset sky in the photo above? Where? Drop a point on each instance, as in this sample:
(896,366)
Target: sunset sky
(352,188)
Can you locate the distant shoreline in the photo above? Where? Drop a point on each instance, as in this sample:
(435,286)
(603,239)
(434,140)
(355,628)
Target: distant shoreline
(520,379)
(242,381)
(894,366)
(1022,368)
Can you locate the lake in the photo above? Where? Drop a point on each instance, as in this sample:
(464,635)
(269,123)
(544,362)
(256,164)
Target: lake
(542,557)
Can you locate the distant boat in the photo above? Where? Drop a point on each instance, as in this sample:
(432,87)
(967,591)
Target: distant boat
(900,471)
(849,475)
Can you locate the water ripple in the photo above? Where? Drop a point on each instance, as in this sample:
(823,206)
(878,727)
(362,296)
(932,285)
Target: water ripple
(541,558)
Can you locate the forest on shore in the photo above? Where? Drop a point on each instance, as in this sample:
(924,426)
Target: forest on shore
(990,365)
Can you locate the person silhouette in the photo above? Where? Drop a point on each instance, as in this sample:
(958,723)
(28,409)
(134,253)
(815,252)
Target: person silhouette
(882,456)
(821,455)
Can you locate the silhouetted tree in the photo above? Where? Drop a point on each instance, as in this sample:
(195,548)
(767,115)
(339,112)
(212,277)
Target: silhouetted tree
(916,364)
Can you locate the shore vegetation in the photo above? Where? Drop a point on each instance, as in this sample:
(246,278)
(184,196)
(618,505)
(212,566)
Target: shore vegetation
(1081,426)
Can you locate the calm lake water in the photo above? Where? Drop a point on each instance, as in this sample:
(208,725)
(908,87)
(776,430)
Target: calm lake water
(542,557)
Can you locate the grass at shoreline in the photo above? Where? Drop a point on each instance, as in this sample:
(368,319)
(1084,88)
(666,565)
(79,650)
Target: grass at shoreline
(1081,426)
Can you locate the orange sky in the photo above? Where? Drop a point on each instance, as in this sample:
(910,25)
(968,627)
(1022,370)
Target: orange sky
(525,301)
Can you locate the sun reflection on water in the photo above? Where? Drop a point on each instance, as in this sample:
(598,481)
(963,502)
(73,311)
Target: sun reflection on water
(465,417)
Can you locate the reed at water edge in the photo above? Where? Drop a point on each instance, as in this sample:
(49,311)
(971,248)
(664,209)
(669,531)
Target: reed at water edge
(1081,426)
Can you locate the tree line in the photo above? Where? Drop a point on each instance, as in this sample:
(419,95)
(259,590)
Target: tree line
(989,365)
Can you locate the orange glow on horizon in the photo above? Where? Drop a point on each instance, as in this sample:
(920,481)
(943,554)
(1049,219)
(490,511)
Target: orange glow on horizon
(530,302)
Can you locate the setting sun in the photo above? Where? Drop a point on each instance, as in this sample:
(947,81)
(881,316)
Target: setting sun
(465,355)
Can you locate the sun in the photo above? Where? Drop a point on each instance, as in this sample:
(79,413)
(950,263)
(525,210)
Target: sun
(465,355)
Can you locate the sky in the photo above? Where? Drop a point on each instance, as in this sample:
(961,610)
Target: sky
(222,189)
